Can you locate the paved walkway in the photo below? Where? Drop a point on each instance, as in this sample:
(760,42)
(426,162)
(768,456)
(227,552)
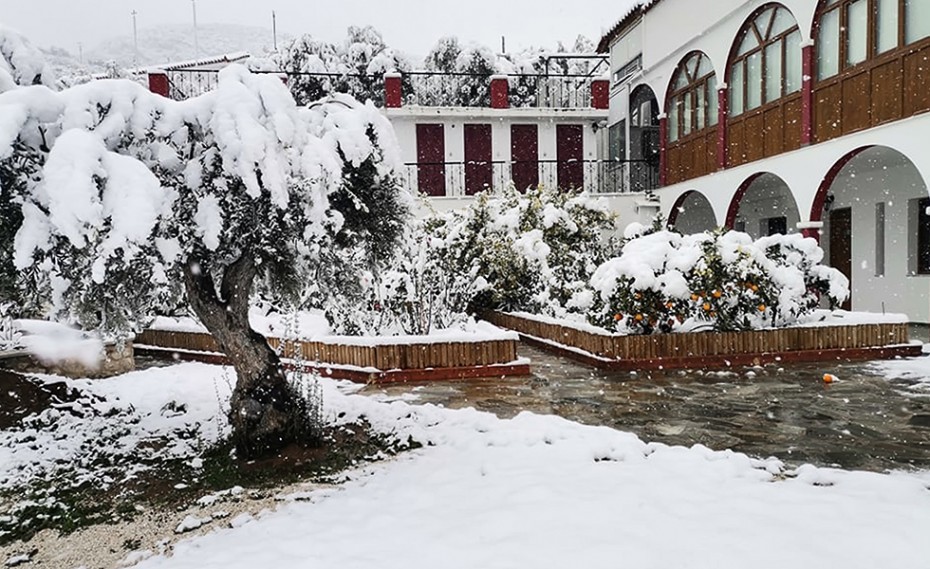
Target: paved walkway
(862,421)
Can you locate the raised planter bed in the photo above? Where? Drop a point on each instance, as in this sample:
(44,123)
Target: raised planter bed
(863,341)
(367,360)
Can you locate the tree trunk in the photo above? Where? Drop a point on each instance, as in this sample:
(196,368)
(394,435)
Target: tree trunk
(264,411)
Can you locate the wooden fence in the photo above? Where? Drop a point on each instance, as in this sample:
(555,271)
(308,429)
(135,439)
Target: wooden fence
(383,357)
(706,348)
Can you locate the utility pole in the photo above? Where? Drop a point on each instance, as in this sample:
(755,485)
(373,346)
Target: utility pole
(196,43)
(274,30)
(135,39)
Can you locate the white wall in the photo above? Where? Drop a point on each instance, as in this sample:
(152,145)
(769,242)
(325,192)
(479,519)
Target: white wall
(405,120)
(862,184)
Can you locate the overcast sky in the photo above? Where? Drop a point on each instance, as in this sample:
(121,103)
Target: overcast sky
(409,25)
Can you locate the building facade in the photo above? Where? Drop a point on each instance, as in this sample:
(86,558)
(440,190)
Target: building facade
(803,116)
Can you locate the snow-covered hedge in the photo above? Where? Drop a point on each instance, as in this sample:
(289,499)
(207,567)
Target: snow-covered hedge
(535,250)
(663,282)
(416,292)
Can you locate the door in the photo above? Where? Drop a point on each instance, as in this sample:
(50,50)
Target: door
(569,150)
(478,174)
(524,153)
(841,246)
(431,153)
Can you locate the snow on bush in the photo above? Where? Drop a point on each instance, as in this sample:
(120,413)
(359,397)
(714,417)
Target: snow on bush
(663,281)
(420,290)
(21,63)
(533,249)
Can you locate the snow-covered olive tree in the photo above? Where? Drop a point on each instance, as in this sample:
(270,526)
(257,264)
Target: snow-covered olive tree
(135,201)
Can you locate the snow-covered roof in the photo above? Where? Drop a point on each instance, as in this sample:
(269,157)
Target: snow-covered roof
(632,13)
(206,62)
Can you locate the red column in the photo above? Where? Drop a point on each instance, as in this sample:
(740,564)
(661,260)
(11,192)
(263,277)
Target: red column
(158,83)
(600,94)
(500,92)
(811,229)
(393,98)
(663,143)
(807,94)
(723,106)
(811,232)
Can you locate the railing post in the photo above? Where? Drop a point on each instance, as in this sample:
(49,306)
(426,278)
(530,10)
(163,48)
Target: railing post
(600,94)
(500,95)
(158,83)
(393,95)
(723,106)
(663,154)
(807,94)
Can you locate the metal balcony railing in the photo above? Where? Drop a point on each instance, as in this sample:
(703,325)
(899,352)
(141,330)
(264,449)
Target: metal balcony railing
(422,88)
(458,179)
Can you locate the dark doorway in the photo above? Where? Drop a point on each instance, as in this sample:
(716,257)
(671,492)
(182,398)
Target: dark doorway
(777,226)
(841,246)
(569,140)
(431,153)
(524,152)
(478,174)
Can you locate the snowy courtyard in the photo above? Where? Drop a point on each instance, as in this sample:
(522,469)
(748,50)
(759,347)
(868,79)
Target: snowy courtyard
(482,491)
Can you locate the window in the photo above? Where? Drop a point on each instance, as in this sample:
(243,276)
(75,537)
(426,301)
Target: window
(917,20)
(923,236)
(880,239)
(616,141)
(767,64)
(692,105)
(850,32)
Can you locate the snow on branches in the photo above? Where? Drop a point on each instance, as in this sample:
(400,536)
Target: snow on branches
(125,189)
(664,282)
(21,63)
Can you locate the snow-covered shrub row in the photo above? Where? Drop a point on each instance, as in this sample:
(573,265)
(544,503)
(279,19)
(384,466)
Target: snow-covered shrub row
(663,282)
(533,250)
(356,65)
(119,193)
(418,291)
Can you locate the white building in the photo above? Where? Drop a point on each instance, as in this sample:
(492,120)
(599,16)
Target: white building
(799,115)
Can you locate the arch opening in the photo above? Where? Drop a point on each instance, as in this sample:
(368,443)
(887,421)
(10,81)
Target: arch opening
(764,205)
(692,213)
(876,230)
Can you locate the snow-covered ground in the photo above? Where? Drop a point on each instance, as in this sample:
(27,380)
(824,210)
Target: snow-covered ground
(534,491)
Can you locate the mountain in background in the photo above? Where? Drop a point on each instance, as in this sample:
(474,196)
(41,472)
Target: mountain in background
(170,43)
(163,44)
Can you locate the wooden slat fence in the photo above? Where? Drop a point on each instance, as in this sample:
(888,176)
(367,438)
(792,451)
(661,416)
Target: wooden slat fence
(704,344)
(383,357)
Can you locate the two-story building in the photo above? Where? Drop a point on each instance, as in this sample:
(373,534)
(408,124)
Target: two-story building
(793,116)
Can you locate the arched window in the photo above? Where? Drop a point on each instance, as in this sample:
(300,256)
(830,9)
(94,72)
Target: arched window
(692,102)
(766,65)
(850,32)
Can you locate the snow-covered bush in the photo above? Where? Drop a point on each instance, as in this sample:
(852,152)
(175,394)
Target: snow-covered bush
(317,68)
(663,281)
(419,290)
(534,249)
(21,63)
